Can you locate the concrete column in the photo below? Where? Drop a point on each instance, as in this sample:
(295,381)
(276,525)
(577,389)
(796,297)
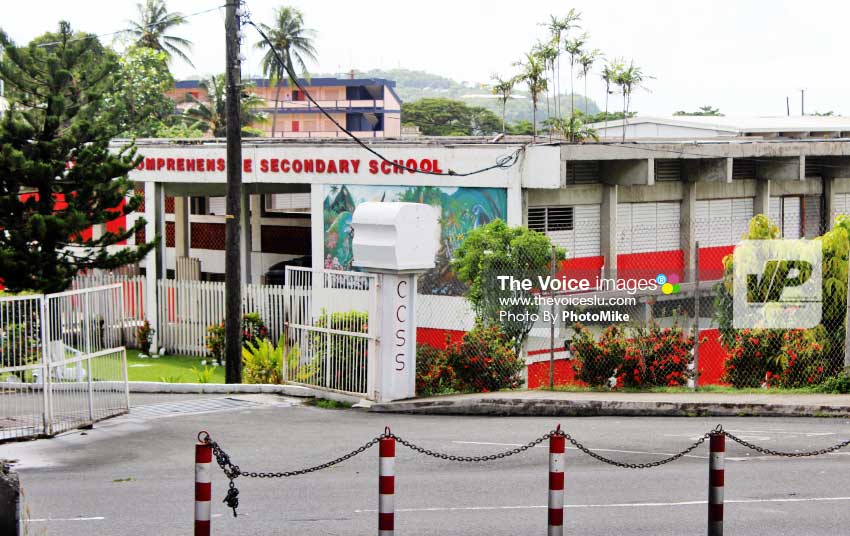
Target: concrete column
(317,224)
(608,229)
(245,238)
(687,229)
(256,226)
(829,201)
(761,203)
(98,230)
(182,233)
(730,165)
(155,260)
(650,171)
(515,212)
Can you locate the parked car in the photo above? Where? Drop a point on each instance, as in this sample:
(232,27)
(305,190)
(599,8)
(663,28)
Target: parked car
(276,275)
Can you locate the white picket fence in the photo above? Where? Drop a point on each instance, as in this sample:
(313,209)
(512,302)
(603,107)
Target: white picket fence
(133,290)
(188,308)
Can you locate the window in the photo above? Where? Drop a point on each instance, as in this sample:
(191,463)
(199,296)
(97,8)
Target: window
(786,213)
(294,202)
(296,126)
(646,227)
(575,228)
(722,222)
(546,219)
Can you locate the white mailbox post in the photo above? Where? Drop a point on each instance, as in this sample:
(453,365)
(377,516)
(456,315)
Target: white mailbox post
(397,241)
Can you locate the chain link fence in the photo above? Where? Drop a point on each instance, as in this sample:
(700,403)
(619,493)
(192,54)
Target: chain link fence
(537,314)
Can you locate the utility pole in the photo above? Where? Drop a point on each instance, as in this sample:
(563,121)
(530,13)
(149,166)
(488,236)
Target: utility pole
(787,107)
(802,102)
(232,261)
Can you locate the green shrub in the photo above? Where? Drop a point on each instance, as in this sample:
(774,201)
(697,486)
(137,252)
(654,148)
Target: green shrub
(348,353)
(262,362)
(802,359)
(203,375)
(484,360)
(656,357)
(144,334)
(433,373)
(838,384)
(597,361)
(253,329)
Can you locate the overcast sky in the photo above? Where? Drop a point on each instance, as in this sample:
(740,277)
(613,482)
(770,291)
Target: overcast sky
(743,56)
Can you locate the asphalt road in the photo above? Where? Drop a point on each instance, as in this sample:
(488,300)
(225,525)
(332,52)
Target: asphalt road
(134,475)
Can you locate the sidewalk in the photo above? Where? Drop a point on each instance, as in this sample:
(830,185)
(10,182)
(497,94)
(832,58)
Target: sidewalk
(572,404)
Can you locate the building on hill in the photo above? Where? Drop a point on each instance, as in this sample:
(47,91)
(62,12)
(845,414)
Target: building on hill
(688,127)
(369,107)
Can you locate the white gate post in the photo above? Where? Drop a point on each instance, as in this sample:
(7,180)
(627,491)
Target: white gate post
(395,241)
(45,367)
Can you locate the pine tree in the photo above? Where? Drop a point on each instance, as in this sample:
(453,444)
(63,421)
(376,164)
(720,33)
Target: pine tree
(58,175)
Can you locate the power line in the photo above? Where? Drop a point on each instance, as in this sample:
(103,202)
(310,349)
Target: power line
(502,162)
(125,30)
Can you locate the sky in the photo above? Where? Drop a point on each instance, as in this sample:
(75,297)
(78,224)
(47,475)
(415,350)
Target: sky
(742,56)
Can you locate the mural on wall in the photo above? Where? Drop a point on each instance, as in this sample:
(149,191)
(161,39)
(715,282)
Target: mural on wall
(462,209)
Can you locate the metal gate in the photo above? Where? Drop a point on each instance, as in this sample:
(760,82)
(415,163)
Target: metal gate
(331,329)
(62,361)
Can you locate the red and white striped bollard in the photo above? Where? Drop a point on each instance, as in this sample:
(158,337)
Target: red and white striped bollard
(386,485)
(557,444)
(716,477)
(203,486)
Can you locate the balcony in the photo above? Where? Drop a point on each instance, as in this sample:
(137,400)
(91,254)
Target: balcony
(328,134)
(331,105)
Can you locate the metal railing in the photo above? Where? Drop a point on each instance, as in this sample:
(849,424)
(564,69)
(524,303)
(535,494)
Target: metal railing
(330,329)
(63,363)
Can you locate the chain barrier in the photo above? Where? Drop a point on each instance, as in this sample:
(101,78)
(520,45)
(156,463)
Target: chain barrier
(475,459)
(763,450)
(233,471)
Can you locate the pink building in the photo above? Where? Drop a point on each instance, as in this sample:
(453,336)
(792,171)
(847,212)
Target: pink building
(369,107)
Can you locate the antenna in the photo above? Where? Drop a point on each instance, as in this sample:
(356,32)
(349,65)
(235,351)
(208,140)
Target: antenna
(802,102)
(787,106)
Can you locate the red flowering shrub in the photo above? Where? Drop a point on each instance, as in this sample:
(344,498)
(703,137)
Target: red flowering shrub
(482,361)
(596,362)
(433,373)
(803,359)
(657,357)
(755,356)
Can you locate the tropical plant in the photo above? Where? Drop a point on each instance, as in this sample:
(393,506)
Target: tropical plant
(629,79)
(703,111)
(609,75)
(557,28)
(214,343)
(209,115)
(574,48)
(150,29)
(203,375)
(534,75)
(574,129)
(144,336)
(138,100)
(292,42)
(346,354)
(484,360)
(447,117)
(548,53)
(586,60)
(495,250)
(503,88)
(262,362)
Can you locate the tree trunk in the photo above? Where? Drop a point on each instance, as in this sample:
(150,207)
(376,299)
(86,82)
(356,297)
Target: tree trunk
(504,110)
(276,104)
(534,120)
(572,91)
(585,93)
(607,92)
(625,114)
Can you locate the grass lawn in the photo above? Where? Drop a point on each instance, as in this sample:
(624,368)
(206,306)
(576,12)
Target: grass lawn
(168,368)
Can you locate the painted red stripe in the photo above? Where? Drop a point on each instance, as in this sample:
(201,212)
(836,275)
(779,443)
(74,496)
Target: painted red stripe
(386,449)
(717,443)
(556,444)
(556,481)
(203,453)
(386,485)
(715,512)
(202,528)
(546,351)
(556,516)
(386,521)
(203,491)
(716,477)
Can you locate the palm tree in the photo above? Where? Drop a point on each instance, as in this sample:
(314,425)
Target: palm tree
(629,79)
(586,60)
(574,48)
(293,43)
(209,115)
(609,75)
(557,27)
(149,30)
(503,88)
(534,75)
(547,53)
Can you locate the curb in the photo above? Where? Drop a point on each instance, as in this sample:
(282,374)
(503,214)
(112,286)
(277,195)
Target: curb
(236,388)
(516,407)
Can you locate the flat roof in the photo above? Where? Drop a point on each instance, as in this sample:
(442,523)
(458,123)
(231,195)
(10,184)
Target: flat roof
(742,124)
(312,82)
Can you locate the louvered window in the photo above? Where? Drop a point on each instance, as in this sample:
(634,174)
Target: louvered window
(547,219)
(582,171)
(668,170)
(743,168)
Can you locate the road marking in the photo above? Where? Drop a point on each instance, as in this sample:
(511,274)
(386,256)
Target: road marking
(648,453)
(611,505)
(51,519)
